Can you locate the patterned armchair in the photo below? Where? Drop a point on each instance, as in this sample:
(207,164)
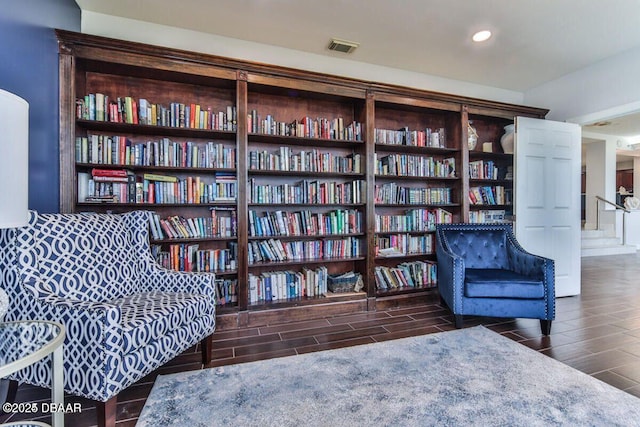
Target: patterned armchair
(483,271)
(124,314)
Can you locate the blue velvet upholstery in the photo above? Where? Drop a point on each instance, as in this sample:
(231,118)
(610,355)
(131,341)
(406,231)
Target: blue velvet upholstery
(124,315)
(483,271)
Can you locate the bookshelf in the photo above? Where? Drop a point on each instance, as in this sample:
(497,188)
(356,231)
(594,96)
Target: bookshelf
(490,194)
(274,178)
(417,185)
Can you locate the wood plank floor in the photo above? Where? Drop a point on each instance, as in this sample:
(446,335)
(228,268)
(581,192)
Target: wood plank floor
(597,332)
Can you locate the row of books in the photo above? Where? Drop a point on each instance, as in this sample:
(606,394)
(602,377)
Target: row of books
(282,285)
(188,257)
(403,244)
(308,191)
(285,159)
(488,217)
(156,188)
(304,223)
(179,227)
(418,166)
(306,127)
(120,150)
(102,107)
(391,193)
(226,291)
(487,169)
(274,250)
(416,274)
(414,220)
(436,137)
(490,195)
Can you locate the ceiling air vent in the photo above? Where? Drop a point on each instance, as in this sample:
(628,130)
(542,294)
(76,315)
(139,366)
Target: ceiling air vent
(343,46)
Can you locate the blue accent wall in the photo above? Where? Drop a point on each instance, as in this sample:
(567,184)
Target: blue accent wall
(29,68)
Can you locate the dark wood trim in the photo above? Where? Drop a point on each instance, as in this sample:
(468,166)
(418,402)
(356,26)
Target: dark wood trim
(370,213)
(243,179)
(89,46)
(464,163)
(66,131)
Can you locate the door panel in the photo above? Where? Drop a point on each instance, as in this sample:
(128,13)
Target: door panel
(547,196)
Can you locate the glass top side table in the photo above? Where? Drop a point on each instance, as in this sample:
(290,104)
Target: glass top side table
(25,342)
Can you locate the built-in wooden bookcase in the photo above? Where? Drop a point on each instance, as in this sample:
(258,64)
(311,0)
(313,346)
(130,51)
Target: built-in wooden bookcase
(179,161)
(306,193)
(280,175)
(490,194)
(417,185)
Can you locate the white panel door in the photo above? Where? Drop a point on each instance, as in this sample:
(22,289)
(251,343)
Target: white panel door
(547,196)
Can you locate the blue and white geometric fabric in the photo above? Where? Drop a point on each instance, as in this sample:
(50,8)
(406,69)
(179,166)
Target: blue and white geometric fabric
(124,314)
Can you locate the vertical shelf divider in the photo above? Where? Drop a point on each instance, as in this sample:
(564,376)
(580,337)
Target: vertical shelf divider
(243,226)
(371,206)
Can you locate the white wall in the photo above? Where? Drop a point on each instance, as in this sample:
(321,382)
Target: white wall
(144,32)
(603,88)
(601,178)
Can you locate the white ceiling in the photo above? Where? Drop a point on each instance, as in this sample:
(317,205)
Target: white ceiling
(626,126)
(534,41)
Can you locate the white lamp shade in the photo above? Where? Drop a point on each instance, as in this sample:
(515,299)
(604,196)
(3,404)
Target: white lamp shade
(14,160)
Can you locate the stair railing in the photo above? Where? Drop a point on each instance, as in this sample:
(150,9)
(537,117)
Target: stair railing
(624,210)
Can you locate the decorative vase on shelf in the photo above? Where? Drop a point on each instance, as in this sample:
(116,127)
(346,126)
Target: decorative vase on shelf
(507,139)
(472,136)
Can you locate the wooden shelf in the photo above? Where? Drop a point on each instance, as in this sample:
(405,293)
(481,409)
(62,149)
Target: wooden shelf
(307,237)
(194,240)
(418,205)
(161,169)
(158,205)
(137,129)
(404,291)
(490,207)
(303,142)
(437,151)
(415,178)
(345,175)
(305,262)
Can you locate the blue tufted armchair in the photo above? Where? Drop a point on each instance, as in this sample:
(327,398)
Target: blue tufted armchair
(124,315)
(483,271)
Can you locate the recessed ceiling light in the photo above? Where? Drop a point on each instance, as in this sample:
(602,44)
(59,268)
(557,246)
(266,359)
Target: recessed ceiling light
(481,36)
(601,124)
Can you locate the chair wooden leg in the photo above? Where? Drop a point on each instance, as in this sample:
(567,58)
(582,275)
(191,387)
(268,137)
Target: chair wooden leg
(206,344)
(107,412)
(545,326)
(459,322)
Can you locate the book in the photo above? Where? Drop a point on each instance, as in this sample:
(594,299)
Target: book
(122,173)
(159,177)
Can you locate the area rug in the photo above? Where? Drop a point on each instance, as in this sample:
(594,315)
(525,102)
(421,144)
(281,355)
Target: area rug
(467,377)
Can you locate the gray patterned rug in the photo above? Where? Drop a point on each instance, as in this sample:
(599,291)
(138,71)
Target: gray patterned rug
(467,377)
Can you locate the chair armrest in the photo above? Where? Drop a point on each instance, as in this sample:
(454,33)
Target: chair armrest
(158,278)
(542,268)
(526,263)
(451,274)
(93,333)
(104,316)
